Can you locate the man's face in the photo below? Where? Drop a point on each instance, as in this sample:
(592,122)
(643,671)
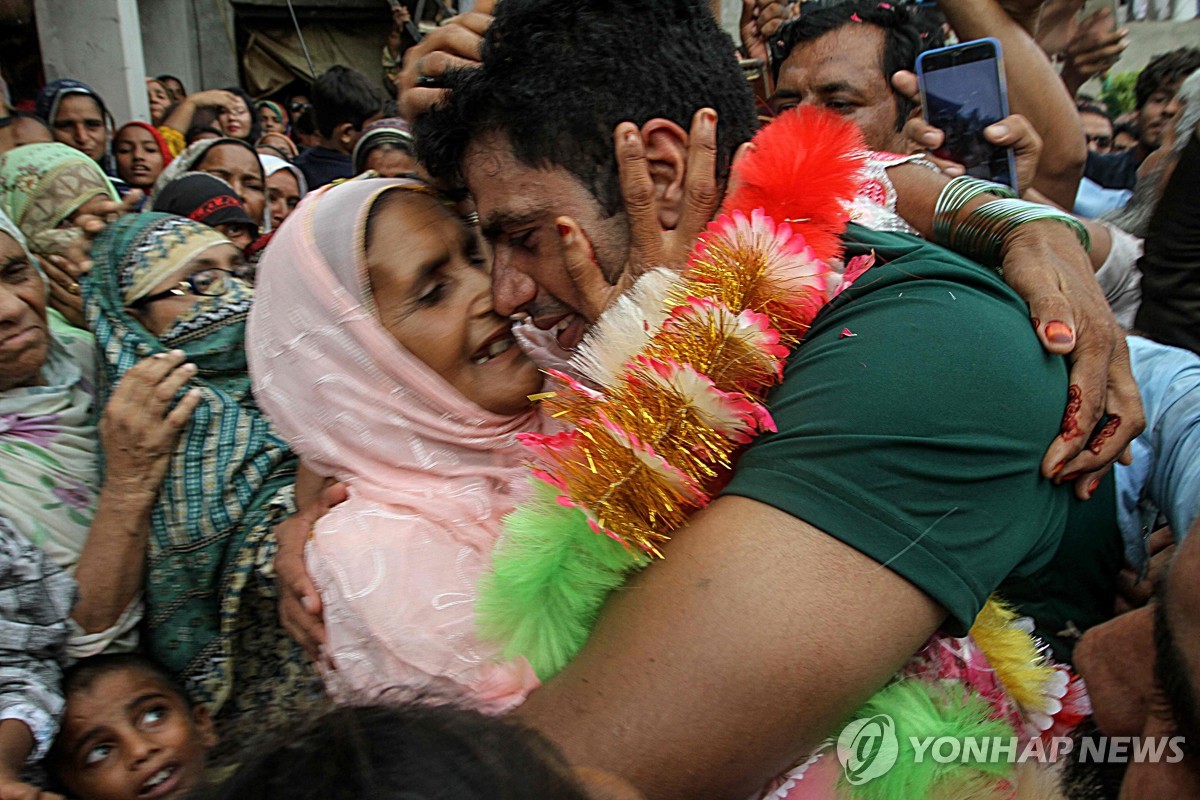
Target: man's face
(843,72)
(1158,112)
(1098,130)
(518,206)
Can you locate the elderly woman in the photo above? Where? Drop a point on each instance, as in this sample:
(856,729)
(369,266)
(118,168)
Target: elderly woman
(44,189)
(54,492)
(208,199)
(161,282)
(233,161)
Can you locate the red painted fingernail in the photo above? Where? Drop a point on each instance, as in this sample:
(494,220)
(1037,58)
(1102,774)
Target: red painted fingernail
(1059,332)
(1071,476)
(1058,468)
(1037,323)
(565,232)
(1092,486)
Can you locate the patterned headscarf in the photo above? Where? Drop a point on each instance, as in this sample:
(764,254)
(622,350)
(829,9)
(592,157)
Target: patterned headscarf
(278,109)
(230,473)
(163,147)
(390,130)
(41,185)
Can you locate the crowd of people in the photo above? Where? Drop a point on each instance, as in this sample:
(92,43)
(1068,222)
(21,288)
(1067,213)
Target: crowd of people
(300,399)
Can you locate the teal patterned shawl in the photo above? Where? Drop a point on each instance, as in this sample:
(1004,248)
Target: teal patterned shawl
(229,477)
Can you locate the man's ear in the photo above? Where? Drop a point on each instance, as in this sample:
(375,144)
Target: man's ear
(666,159)
(344,135)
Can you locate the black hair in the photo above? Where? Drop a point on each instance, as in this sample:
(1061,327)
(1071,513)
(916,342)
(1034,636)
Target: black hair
(1092,108)
(409,752)
(164,77)
(1129,128)
(1171,673)
(306,123)
(342,95)
(196,130)
(18,113)
(255,127)
(907,34)
(557,78)
(83,674)
(1163,69)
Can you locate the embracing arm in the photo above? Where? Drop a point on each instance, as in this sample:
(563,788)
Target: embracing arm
(717,669)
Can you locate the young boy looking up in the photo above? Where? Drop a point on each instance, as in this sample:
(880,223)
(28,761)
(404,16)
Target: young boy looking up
(129,732)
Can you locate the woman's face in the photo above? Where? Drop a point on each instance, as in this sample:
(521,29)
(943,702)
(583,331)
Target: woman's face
(24,338)
(241,236)
(390,161)
(79,122)
(283,194)
(160,100)
(234,119)
(434,296)
(139,161)
(269,121)
(158,317)
(240,168)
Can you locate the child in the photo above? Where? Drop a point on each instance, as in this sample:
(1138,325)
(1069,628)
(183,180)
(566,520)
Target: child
(411,752)
(129,732)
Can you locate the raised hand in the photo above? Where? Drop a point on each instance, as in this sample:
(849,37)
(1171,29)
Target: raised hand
(454,45)
(650,245)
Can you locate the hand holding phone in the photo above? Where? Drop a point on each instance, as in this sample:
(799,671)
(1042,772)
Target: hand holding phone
(962,93)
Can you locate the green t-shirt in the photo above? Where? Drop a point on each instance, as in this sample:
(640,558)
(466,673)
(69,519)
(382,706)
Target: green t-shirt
(912,420)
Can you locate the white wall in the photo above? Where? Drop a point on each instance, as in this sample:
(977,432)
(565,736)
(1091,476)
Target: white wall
(104,50)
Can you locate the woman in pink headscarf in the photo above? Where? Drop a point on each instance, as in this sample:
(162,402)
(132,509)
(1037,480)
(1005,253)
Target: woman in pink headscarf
(376,352)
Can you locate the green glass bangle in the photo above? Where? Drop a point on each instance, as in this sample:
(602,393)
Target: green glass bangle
(956,194)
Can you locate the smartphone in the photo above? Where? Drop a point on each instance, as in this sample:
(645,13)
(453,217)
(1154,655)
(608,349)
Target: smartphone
(963,92)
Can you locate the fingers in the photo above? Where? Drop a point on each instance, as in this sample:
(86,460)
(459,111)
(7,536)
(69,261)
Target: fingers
(700,191)
(905,82)
(129,203)
(455,45)
(1016,132)
(637,191)
(1121,422)
(735,182)
(331,495)
(182,412)
(770,17)
(593,292)
(138,383)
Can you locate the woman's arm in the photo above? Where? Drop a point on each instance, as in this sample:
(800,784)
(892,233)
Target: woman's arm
(181,117)
(138,433)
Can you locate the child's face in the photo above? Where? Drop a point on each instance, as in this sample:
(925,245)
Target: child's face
(129,737)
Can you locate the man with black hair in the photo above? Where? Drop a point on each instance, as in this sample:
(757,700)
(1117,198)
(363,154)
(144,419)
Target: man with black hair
(857,59)
(1157,107)
(902,486)
(344,101)
(174,87)
(1097,127)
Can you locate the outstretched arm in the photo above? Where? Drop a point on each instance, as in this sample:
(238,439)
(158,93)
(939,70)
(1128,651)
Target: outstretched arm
(714,671)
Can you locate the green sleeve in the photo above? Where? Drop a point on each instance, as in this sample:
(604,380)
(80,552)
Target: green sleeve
(912,421)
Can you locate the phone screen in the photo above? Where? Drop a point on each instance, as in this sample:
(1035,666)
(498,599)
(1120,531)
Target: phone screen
(963,94)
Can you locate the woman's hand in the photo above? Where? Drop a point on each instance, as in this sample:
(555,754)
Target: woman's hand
(66,297)
(213,98)
(650,245)
(299,602)
(140,427)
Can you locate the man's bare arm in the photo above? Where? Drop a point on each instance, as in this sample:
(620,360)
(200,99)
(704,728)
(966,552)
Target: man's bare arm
(716,670)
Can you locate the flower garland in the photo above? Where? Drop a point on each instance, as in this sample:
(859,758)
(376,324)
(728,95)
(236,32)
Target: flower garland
(670,386)
(672,382)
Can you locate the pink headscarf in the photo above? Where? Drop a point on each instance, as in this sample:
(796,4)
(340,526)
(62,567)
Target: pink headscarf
(431,474)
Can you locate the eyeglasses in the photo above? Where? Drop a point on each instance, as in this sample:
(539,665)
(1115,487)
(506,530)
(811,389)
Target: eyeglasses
(298,107)
(205,283)
(1102,141)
